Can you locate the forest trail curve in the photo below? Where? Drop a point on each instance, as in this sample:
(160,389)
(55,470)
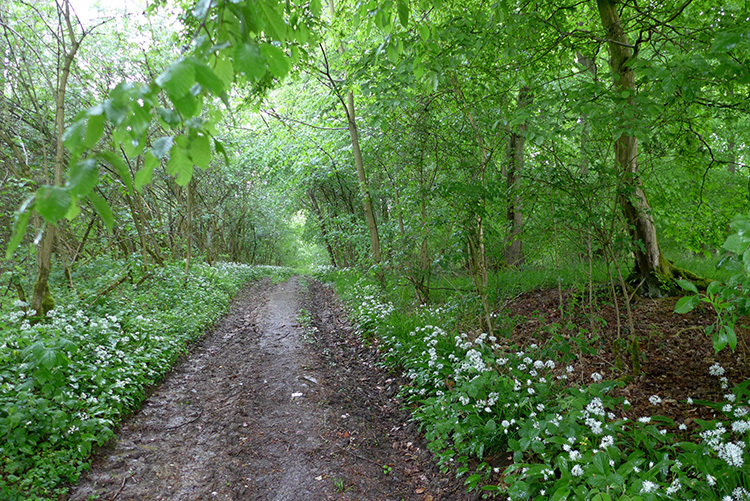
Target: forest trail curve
(267,409)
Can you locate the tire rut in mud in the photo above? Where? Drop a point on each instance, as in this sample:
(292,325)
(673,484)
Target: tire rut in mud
(260,410)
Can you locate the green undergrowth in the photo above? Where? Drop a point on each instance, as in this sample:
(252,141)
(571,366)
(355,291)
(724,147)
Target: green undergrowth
(67,380)
(478,399)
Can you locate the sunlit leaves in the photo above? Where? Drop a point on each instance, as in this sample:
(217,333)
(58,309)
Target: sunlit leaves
(177,79)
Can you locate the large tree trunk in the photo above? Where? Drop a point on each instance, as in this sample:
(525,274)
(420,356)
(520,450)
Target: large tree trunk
(651,268)
(514,244)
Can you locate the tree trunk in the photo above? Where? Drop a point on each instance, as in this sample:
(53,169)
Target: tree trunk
(514,244)
(42,300)
(361,175)
(651,268)
(323,227)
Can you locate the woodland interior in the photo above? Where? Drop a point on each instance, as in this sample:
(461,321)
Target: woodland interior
(530,218)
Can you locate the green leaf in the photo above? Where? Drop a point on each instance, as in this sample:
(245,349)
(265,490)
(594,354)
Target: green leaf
(713,287)
(200,150)
(120,166)
(102,208)
(177,79)
(686,304)
(19,228)
(170,117)
(731,336)
(162,146)
(52,202)
(180,166)
(249,61)
(275,25)
(736,243)
(403,12)
(187,105)
(490,426)
(219,147)
(83,175)
(560,494)
(144,176)
(424,32)
(94,131)
(687,285)
(277,61)
(209,80)
(73,135)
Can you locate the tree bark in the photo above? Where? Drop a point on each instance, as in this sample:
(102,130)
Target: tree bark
(361,175)
(42,300)
(514,244)
(651,268)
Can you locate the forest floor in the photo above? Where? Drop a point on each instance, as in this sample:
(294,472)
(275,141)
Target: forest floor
(674,352)
(265,408)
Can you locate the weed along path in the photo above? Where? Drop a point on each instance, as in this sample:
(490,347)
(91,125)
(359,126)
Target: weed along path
(281,401)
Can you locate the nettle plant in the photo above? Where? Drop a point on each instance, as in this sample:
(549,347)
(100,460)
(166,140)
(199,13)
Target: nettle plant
(730,300)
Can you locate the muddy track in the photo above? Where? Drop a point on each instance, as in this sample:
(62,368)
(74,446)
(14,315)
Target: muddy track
(266,409)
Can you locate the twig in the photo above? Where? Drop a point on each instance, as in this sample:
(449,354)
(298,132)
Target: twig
(121,486)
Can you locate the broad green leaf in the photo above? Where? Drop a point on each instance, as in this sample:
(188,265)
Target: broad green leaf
(170,117)
(713,287)
(209,80)
(19,228)
(73,135)
(275,25)
(687,285)
(83,176)
(560,494)
(102,208)
(249,61)
(277,61)
(120,166)
(731,336)
(490,426)
(187,105)
(162,146)
(200,150)
(94,131)
(180,166)
(52,202)
(736,243)
(224,70)
(177,79)
(403,12)
(686,304)
(73,209)
(424,32)
(144,176)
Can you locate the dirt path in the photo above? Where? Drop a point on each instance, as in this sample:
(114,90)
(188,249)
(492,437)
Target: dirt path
(263,410)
